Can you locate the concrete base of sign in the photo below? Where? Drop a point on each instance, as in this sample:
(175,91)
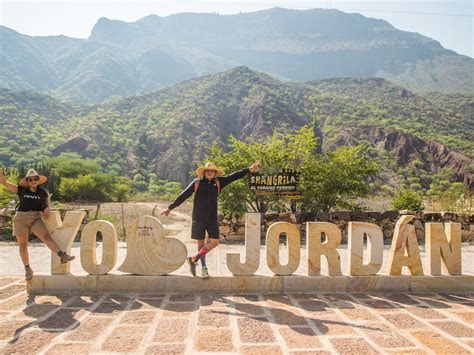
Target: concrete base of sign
(178,284)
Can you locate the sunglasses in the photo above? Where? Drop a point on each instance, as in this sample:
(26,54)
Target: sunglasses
(31,179)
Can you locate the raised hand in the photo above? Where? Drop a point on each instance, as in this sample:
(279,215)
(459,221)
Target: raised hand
(255,166)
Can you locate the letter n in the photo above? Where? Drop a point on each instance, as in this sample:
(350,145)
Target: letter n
(443,243)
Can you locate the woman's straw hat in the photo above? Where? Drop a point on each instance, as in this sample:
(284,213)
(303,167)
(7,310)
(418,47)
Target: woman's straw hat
(209,166)
(30,173)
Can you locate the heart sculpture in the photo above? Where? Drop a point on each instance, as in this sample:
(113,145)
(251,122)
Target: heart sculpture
(149,252)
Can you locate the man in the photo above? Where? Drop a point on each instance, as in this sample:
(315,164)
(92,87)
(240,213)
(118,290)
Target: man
(204,217)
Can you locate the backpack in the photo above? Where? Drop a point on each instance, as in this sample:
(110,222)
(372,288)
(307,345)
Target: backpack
(216,180)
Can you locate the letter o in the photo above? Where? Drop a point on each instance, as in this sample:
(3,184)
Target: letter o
(273,248)
(88,247)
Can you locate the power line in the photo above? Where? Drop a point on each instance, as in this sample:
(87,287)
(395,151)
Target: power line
(339,8)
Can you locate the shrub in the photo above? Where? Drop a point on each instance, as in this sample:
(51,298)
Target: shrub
(407,200)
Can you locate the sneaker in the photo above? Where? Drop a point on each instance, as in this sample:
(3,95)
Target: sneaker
(192,265)
(205,273)
(66,258)
(28,274)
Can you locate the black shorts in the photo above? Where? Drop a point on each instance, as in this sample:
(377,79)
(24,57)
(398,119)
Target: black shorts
(198,229)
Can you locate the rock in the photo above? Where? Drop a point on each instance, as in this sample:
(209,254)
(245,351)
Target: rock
(220,217)
(287,217)
(467,236)
(308,217)
(404,212)
(342,215)
(224,229)
(268,224)
(76,144)
(322,217)
(375,215)
(390,215)
(235,237)
(432,216)
(271,216)
(359,215)
(448,216)
(240,230)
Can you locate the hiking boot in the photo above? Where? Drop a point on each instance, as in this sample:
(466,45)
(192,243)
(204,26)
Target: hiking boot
(205,273)
(28,273)
(66,258)
(192,265)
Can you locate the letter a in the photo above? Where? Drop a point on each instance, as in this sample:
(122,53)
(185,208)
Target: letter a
(404,250)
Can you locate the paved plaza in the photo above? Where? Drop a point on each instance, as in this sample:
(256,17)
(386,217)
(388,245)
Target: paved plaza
(253,324)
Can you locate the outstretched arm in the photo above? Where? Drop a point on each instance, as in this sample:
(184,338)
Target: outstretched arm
(183,196)
(11,187)
(226,180)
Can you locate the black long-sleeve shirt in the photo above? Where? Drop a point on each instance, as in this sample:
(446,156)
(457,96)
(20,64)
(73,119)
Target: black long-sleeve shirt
(205,201)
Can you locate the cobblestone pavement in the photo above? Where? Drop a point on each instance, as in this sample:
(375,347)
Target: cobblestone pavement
(264,324)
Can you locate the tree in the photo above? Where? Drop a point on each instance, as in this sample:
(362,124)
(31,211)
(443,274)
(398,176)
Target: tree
(328,181)
(337,179)
(275,152)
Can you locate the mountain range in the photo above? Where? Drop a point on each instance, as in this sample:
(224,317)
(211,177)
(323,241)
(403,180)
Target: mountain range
(413,136)
(121,59)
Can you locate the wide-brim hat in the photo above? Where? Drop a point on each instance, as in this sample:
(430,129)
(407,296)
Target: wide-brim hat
(209,166)
(30,173)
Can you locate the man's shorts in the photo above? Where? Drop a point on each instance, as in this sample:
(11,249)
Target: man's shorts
(199,228)
(23,222)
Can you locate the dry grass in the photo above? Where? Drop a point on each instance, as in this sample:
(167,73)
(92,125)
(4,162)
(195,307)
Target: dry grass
(123,214)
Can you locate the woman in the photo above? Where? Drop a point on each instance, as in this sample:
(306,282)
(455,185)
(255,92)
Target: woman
(33,204)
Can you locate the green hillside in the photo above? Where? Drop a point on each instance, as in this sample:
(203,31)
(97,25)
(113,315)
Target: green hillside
(169,130)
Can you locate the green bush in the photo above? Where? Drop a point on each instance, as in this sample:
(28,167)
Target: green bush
(93,187)
(71,165)
(407,200)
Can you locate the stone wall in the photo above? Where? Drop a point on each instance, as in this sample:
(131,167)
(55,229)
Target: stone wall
(234,229)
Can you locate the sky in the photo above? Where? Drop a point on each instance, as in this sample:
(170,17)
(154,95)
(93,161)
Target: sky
(450,22)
